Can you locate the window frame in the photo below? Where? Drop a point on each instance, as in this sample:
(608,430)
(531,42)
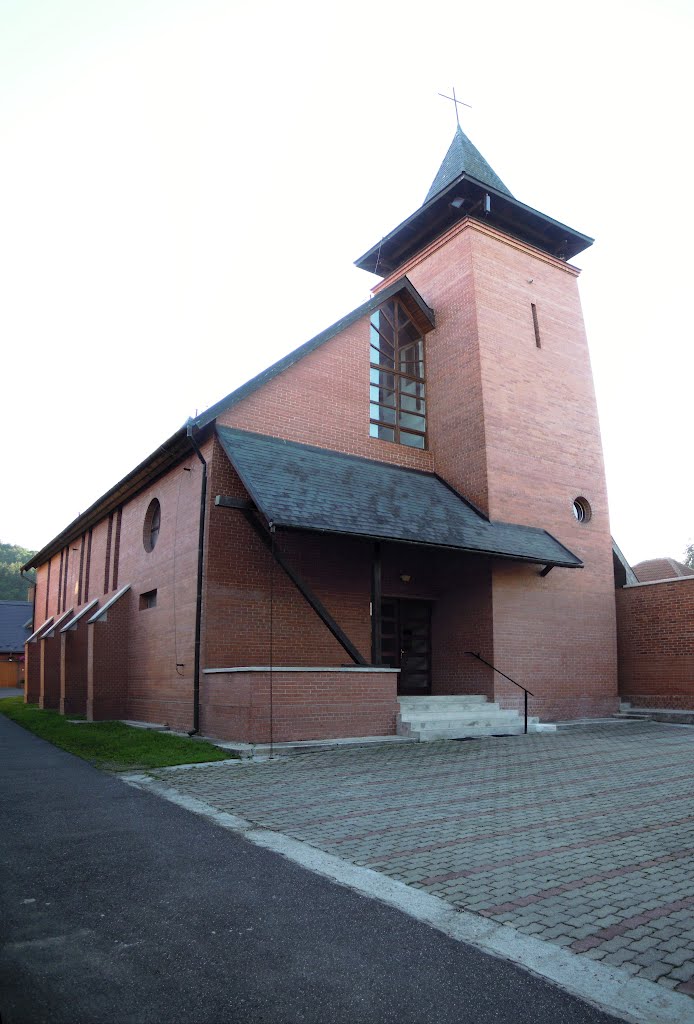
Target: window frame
(151,526)
(398,376)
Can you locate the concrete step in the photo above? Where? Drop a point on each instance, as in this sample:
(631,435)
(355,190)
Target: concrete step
(457,717)
(450,698)
(489,722)
(443,705)
(577,723)
(458,731)
(468,733)
(482,711)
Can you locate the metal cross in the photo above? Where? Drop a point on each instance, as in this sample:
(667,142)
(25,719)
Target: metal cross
(458,103)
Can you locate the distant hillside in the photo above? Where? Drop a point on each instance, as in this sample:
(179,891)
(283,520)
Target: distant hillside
(12,586)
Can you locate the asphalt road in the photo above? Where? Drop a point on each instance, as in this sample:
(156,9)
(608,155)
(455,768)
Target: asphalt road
(117,907)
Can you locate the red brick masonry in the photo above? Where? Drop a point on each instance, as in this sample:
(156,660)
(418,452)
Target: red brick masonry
(655,629)
(307,703)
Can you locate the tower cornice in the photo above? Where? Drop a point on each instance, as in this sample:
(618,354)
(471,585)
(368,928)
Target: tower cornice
(486,229)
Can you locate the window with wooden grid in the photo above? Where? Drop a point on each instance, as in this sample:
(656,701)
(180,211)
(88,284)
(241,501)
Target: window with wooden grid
(397,387)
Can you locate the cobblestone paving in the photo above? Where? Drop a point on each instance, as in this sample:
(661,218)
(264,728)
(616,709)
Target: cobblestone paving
(583,838)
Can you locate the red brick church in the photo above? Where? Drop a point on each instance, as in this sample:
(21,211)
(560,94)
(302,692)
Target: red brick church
(421,483)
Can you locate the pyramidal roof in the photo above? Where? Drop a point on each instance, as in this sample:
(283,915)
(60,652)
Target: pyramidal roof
(464,158)
(466,187)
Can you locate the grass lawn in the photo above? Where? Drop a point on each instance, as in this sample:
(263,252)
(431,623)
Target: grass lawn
(111,745)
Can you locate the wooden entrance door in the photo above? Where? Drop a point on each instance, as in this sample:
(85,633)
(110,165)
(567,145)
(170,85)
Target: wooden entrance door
(406,642)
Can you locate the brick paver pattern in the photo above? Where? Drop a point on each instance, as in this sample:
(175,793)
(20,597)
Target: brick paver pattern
(583,838)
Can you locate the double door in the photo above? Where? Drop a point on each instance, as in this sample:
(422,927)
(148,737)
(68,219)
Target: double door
(406,642)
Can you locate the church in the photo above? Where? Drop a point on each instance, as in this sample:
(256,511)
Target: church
(405,516)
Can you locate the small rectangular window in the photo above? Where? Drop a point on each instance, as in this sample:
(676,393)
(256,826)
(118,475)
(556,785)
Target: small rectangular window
(148,600)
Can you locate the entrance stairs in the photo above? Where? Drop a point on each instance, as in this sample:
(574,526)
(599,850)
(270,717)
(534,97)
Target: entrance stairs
(457,718)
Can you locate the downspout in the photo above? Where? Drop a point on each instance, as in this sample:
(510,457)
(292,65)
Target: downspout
(33,621)
(33,596)
(198,597)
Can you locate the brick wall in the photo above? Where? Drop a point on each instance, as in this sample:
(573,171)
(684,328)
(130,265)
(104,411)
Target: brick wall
(74,669)
(655,630)
(49,654)
(324,400)
(107,661)
(527,442)
(32,665)
(305,705)
(240,574)
(161,638)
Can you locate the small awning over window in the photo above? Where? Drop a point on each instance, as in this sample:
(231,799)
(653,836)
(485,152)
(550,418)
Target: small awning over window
(301,487)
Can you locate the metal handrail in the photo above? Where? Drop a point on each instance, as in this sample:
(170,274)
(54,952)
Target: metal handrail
(525,692)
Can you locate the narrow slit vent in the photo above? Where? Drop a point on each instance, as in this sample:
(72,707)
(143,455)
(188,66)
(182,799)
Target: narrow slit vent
(536,325)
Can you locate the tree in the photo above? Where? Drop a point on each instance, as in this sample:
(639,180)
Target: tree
(13,587)
(689,554)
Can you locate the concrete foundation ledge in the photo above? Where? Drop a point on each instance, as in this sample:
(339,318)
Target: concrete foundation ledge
(254,750)
(300,668)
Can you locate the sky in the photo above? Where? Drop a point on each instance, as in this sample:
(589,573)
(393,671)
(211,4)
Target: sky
(185,184)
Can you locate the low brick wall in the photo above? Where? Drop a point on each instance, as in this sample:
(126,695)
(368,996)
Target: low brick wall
(307,703)
(655,637)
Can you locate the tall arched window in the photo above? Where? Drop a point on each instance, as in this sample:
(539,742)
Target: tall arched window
(397,399)
(150,530)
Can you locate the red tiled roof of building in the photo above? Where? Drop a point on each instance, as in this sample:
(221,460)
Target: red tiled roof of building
(661,569)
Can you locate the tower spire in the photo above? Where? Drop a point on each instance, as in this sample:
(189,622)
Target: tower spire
(464,158)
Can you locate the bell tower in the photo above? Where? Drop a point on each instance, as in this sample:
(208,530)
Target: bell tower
(512,416)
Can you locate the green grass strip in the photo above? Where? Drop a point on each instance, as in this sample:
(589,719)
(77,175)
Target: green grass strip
(111,745)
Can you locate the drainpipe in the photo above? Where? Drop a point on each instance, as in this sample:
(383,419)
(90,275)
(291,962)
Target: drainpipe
(198,597)
(33,596)
(33,624)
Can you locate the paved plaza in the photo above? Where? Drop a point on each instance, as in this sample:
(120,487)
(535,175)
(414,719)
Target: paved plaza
(583,838)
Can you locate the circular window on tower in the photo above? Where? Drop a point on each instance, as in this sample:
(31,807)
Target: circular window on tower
(150,530)
(581,510)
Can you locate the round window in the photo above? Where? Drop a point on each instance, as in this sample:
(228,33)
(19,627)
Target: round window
(581,510)
(150,530)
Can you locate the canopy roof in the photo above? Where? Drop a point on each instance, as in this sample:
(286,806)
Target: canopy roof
(302,487)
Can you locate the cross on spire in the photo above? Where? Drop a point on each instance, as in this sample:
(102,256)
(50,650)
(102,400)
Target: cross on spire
(457,103)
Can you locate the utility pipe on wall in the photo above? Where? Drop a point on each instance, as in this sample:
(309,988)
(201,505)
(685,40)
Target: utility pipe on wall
(198,596)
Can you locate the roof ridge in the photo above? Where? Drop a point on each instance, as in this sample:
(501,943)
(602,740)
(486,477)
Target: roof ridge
(282,364)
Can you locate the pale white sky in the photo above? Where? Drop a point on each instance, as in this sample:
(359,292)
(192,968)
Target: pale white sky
(185,183)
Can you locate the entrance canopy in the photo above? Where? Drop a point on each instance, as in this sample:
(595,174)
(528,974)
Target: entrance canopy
(301,487)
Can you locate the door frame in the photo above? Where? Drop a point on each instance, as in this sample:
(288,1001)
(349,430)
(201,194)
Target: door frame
(399,602)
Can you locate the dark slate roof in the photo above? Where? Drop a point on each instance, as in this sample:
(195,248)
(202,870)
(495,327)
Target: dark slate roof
(466,179)
(464,158)
(402,287)
(13,632)
(302,487)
